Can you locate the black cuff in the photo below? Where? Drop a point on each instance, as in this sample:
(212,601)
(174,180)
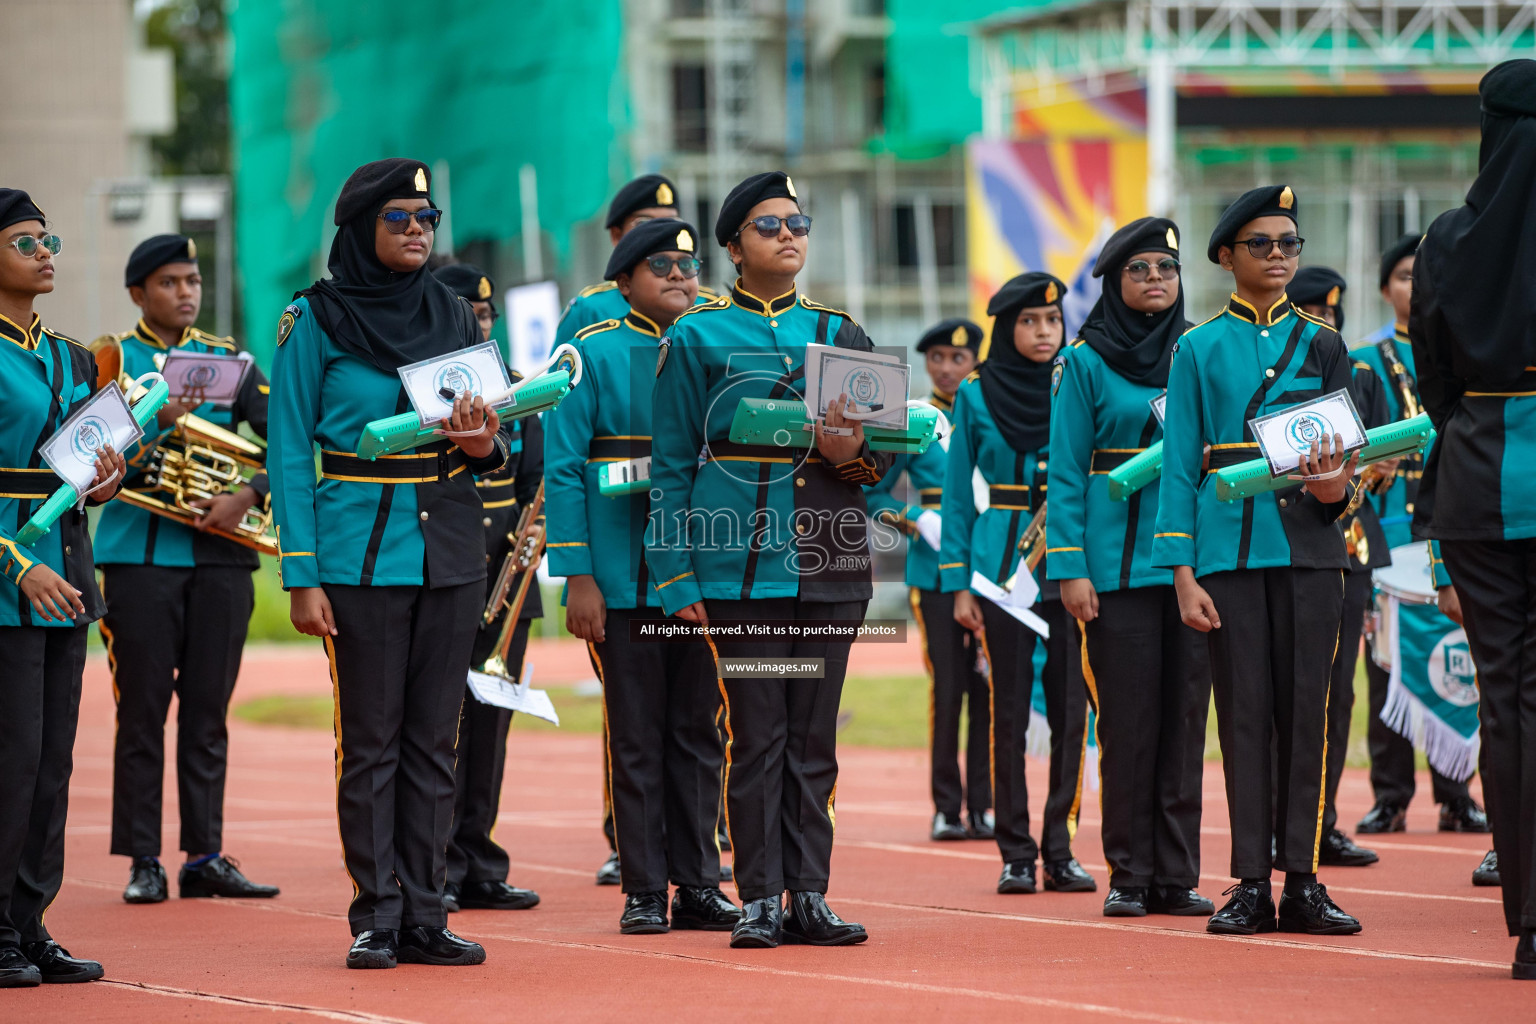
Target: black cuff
(492,462)
(859,470)
(261,485)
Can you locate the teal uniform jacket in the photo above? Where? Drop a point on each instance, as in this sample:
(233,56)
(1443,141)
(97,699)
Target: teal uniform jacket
(738,522)
(925,473)
(1395,505)
(597,304)
(47,376)
(987,543)
(1236,366)
(126,535)
(404,520)
(605,419)
(1098,421)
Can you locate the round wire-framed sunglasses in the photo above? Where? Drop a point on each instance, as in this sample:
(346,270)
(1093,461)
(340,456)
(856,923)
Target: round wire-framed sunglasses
(662,266)
(28,245)
(1137,270)
(1260,246)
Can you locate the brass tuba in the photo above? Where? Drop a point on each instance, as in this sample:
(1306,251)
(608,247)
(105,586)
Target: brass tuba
(198,460)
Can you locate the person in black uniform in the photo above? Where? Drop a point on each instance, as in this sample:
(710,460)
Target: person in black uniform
(1319,292)
(394,580)
(477,864)
(1474,304)
(48,596)
(179,601)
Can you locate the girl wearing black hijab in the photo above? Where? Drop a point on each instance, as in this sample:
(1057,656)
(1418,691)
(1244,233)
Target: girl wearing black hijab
(384,560)
(1001,425)
(1473,326)
(1148,674)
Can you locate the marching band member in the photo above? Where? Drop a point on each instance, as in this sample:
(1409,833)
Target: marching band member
(1475,353)
(48,597)
(179,601)
(1263,576)
(477,864)
(394,581)
(659,699)
(1147,672)
(794,548)
(949,351)
(1001,426)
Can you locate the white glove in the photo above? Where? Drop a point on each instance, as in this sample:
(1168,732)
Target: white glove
(930,527)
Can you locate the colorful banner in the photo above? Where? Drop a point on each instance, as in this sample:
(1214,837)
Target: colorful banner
(1432,695)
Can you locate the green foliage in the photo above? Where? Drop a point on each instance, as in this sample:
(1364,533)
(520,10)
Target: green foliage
(195,31)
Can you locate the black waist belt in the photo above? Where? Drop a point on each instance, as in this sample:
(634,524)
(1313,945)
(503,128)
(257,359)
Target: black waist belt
(1221,458)
(417,468)
(999,496)
(1105,460)
(28,483)
(619,448)
(730,451)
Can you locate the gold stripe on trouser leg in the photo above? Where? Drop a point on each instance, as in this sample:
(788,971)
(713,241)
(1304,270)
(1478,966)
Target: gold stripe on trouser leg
(1322,790)
(730,739)
(1092,683)
(922,633)
(330,655)
(831,811)
(720,809)
(608,804)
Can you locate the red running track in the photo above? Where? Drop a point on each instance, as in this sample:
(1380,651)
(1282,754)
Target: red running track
(944,944)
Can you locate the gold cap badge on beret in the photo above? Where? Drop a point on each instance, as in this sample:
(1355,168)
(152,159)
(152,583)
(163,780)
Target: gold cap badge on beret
(1287,198)
(1333,296)
(1173,240)
(959,337)
(789,186)
(1051,293)
(484,290)
(664,194)
(191,249)
(685,241)
(421,179)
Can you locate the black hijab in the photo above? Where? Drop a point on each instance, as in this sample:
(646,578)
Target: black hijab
(383,317)
(1138,346)
(1482,257)
(1018,390)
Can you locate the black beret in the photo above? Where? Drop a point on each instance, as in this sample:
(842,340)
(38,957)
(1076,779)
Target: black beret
(644,192)
(1316,286)
(16,206)
(956,332)
(1398,251)
(374,184)
(1264,201)
(467,281)
(1509,90)
(768,185)
(1027,290)
(648,239)
(153,253)
(1148,234)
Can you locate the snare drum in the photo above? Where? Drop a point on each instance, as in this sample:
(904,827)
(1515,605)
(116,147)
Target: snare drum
(1406,581)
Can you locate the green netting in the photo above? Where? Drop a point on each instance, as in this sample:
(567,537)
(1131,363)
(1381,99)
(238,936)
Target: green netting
(321,86)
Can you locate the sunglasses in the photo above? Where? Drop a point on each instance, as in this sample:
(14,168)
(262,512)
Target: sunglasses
(28,245)
(396,221)
(1137,270)
(662,266)
(1260,246)
(768,226)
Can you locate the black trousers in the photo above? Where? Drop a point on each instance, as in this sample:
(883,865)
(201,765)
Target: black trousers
(182,631)
(664,755)
(1149,677)
(39,709)
(781,750)
(398,664)
(1271,662)
(1341,687)
(955,683)
(1392,758)
(1496,581)
(1009,647)
(473,853)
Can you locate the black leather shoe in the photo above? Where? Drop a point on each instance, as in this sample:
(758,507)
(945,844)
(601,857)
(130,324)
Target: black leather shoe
(1018,877)
(1125,902)
(429,944)
(980,826)
(1312,912)
(1250,911)
(16,971)
(496,896)
(1524,967)
(1384,817)
(1463,815)
(146,882)
(220,876)
(944,829)
(451,898)
(374,950)
(761,925)
(645,913)
(1339,851)
(810,922)
(57,966)
(608,874)
(1178,901)
(703,910)
(1487,873)
(1068,876)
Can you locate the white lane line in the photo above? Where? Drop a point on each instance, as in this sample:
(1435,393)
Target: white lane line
(322,1012)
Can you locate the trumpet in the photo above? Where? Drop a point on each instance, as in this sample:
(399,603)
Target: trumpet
(1032,540)
(522,560)
(198,460)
